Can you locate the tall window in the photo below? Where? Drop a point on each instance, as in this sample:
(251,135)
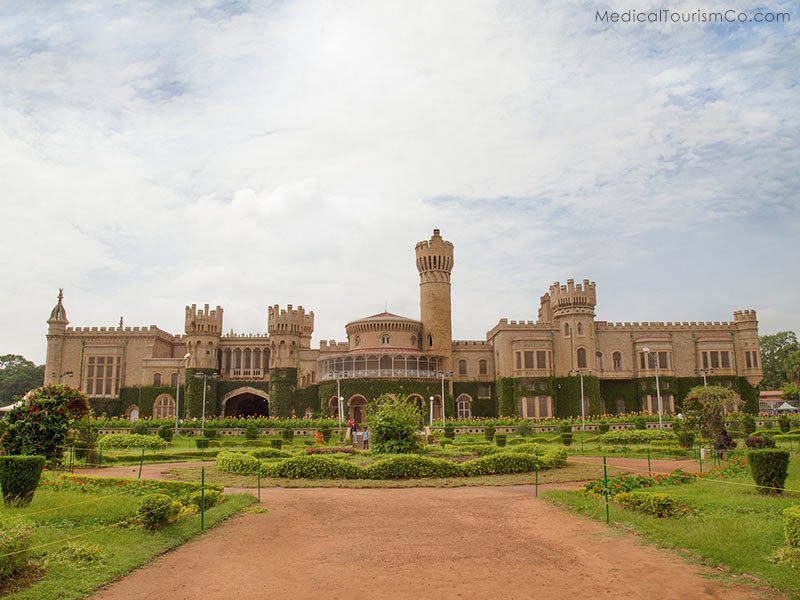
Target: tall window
(529,359)
(173,380)
(519,360)
(482,368)
(358,341)
(385,339)
(617,356)
(164,407)
(566,329)
(582,363)
(464,406)
(598,358)
(541,359)
(663,362)
(157,379)
(462,367)
(725,360)
(705,360)
(580,328)
(102,375)
(430,340)
(714,360)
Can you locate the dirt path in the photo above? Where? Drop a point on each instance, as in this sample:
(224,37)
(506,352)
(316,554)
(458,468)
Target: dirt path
(475,542)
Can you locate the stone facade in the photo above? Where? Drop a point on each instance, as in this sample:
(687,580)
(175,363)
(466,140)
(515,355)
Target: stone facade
(140,370)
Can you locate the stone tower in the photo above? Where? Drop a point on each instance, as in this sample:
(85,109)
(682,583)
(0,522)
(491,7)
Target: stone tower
(289,330)
(56,331)
(435,264)
(571,308)
(203,330)
(746,341)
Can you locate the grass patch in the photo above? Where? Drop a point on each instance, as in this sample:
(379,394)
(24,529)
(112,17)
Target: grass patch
(60,516)
(729,524)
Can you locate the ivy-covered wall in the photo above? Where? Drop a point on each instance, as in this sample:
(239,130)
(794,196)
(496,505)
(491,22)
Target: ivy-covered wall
(506,401)
(481,407)
(612,390)
(194,394)
(282,385)
(142,396)
(107,407)
(307,397)
(567,401)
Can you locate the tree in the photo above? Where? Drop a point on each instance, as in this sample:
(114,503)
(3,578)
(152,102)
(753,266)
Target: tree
(775,350)
(18,376)
(41,424)
(792,367)
(704,409)
(394,423)
(790,392)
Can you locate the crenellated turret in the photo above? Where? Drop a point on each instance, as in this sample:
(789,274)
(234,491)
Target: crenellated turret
(435,265)
(203,330)
(289,331)
(571,310)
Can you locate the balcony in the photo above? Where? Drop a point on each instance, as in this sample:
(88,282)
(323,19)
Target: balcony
(389,373)
(245,374)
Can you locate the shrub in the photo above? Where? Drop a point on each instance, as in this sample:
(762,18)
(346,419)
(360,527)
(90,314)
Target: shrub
(316,467)
(639,423)
(131,440)
(156,511)
(769,468)
(394,426)
(15,540)
(201,443)
(331,450)
(175,489)
(326,434)
(566,439)
(251,431)
(524,429)
(412,466)
(791,525)
(237,462)
(784,423)
(140,427)
(80,553)
(288,434)
(488,432)
(549,457)
(603,426)
(501,463)
(449,432)
(565,427)
(657,505)
(276,443)
(500,439)
(19,476)
(686,439)
(759,441)
(748,422)
(272,453)
(636,436)
(165,433)
(212,498)
(209,433)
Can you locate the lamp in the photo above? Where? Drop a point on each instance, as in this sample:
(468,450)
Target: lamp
(646,350)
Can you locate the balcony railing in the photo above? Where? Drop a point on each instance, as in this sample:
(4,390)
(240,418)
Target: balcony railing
(245,373)
(361,373)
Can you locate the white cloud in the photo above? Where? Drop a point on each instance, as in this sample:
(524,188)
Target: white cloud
(158,155)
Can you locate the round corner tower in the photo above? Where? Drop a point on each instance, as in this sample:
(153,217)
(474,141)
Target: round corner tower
(572,309)
(290,330)
(435,264)
(203,330)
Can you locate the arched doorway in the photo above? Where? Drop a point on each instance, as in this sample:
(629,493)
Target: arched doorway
(333,404)
(357,409)
(436,402)
(132,413)
(245,402)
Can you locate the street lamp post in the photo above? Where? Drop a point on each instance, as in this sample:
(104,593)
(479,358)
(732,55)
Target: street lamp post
(583,401)
(442,374)
(205,377)
(178,391)
(658,387)
(431,404)
(339,398)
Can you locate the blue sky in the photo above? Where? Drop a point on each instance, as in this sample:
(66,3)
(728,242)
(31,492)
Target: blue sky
(154,155)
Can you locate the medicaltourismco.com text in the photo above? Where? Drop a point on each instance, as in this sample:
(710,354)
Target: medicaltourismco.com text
(664,15)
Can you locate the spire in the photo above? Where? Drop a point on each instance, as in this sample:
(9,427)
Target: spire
(59,313)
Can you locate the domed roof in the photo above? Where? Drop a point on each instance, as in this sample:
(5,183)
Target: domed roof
(386,316)
(59,313)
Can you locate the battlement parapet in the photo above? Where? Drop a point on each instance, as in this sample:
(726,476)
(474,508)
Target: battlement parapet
(663,326)
(333,345)
(290,320)
(572,297)
(232,335)
(122,331)
(471,344)
(745,315)
(203,321)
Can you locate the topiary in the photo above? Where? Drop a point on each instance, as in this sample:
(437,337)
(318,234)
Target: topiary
(201,443)
(288,434)
(791,525)
(784,423)
(316,467)
(769,468)
(240,463)
(748,423)
(19,476)
(759,441)
(275,453)
(449,432)
(500,439)
(156,511)
(251,431)
(326,434)
(603,426)
(657,505)
(16,534)
(165,433)
(488,432)
(212,498)
(209,433)
(276,443)
(524,429)
(566,439)
(640,423)
(140,427)
(412,466)
(565,427)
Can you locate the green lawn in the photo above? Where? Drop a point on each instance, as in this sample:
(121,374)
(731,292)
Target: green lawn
(729,524)
(97,519)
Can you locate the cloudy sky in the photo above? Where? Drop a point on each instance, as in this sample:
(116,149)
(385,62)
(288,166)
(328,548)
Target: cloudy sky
(158,154)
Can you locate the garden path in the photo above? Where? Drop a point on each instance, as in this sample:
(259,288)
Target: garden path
(471,542)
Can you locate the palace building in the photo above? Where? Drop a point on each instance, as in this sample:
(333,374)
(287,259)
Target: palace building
(534,369)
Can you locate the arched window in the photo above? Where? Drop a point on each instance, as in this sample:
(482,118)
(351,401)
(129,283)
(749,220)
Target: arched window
(580,328)
(582,364)
(617,356)
(598,357)
(464,406)
(482,369)
(430,341)
(385,339)
(566,329)
(413,340)
(157,379)
(462,367)
(358,341)
(173,380)
(164,407)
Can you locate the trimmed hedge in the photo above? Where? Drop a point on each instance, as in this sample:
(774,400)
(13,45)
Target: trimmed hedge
(552,457)
(636,436)
(156,511)
(240,463)
(19,476)
(500,439)
(769,468)
(174,489)
(501,463)
(759,441)
(330,450)
(270,453)
(212,499)
(316,467)
(131,440)
(791,525)
(412,466)
(16,534)
(657,505)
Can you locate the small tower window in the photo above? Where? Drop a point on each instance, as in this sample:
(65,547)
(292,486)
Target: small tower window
(566,329)
(358,341)
(430,341)
(617,356)
(482,370)
(580,328)
(462,367)
(582,358)
(385,339)
(599,360)
(157,379)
